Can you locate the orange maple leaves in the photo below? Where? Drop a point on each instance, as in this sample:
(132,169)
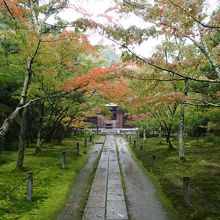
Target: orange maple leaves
(90,80)
(12,8)
(106,81)
(167,98)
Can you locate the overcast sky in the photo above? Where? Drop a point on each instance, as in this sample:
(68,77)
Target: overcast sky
(97,7)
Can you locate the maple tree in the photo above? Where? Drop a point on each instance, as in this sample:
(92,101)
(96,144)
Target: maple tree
(171,61)
(186,29)
(46,57)
(54,63)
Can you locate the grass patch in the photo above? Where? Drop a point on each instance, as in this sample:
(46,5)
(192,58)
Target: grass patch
(51,183)
(202,166)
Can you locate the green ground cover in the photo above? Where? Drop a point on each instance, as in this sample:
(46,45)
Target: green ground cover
(51,183)
(202,165)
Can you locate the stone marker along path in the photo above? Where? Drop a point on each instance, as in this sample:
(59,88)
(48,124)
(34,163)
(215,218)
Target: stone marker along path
(72,207)
(106,198)
(141,198)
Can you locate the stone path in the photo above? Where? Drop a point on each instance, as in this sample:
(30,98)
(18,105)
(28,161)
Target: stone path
(72,207)
(106,199)
(142,201)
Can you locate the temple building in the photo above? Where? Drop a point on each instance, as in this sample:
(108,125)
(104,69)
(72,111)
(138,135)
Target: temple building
(118,118)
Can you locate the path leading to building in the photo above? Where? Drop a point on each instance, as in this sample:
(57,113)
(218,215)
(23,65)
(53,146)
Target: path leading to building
(142,201)
(107,200)
(72,209)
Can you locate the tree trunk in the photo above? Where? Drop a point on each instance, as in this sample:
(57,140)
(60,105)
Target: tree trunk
(22,139)
(39,132)
(181,133)
(182,124)
(39,142)
(170,145)
(144,135)
(160,135)
(62,135)
(22,135)
(168,133)
(1,144)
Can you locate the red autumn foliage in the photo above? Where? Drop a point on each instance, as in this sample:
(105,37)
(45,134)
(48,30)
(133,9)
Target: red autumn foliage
(90,80)
(140,117)
(161,99)
(12,7)
(114,91)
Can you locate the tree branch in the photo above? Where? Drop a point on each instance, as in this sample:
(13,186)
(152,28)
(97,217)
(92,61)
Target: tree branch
(160,67)
(204,49)
(7,122)
(194,18)
(9,10)
(134,5)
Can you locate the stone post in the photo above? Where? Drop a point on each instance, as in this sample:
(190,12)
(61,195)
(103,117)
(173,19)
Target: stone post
(186,190)
(63,160)
(85,143)
(90,138)
(141,148)
(30,186)
(77,148)
(134,143)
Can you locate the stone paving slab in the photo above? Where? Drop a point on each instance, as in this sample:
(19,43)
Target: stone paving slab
(115,186)
(106,199)
(116,210)
(94,214)
(114,176)
(114,170)
(98,189)
(96,200)
(114,182)
(99,178)
(115,195)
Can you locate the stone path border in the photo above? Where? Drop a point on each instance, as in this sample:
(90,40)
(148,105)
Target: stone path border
(72,209)
(106,198)
(142,201)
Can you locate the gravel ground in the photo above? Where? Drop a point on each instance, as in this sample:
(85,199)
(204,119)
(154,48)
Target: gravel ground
(142,202)
(72,209)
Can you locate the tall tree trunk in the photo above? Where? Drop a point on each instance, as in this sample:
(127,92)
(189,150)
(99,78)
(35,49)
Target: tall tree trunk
(39,131)
(181,133)
(168,133)
(1,144)
(23,125)
(22,138)
(160,134)
(182,123)
(61,134)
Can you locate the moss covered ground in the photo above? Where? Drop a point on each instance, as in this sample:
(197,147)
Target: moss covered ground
(202,165)
(51,183)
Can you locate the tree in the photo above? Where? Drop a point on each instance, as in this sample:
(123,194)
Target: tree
(33,46)
(178,22)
